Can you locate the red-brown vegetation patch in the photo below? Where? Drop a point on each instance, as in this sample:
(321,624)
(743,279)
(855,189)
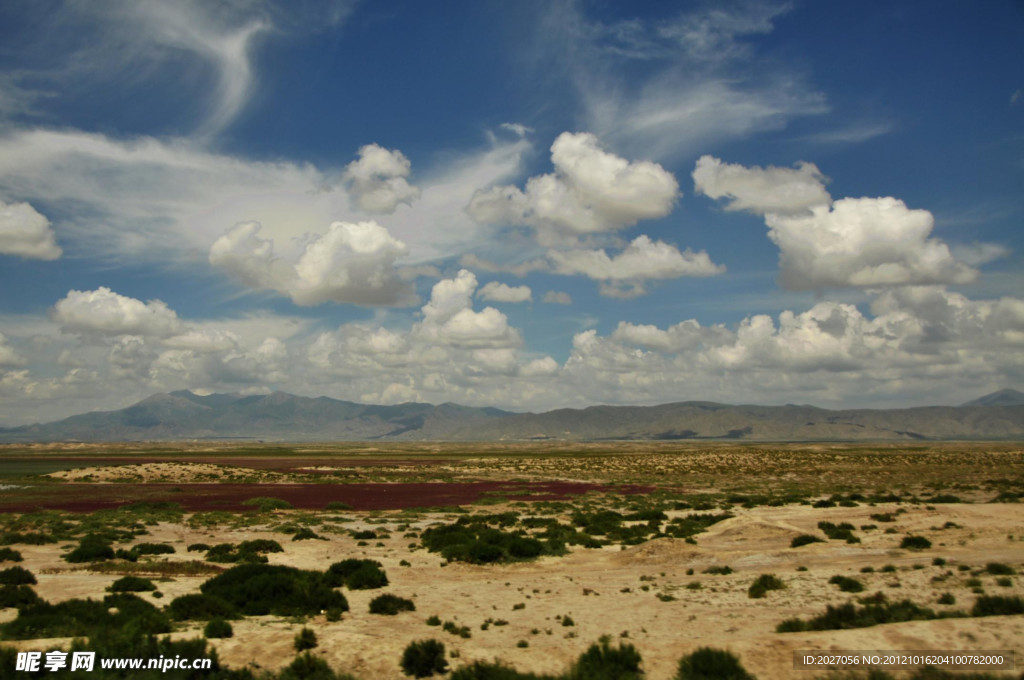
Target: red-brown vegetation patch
(202,497)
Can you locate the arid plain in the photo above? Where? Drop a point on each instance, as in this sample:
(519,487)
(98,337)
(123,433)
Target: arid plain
(656,545)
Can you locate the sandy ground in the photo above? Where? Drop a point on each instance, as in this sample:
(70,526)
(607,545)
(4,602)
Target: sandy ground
(602,591)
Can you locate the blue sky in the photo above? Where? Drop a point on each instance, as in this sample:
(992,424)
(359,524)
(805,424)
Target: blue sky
(527,205)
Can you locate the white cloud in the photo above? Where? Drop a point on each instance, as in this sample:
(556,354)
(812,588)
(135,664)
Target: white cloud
(500,292)
(26,233)
(8,356)
(557,297)
(863,242)
(851,242)
(705,84)
(352,262)
(449,318)
(591,191)
(104,312)
(762,190)
(475,262)
(642,260)
(377,180)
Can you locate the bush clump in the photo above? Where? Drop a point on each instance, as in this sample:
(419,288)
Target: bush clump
(306,534)
(9,555)
(473,540)
(153,549)
(265,504)
(839,532)
(357,574)
(305,639)
(131,584)
(604,662)
(999,569)
(201,607)
(708,663)
(86,618)
(390,605)
(915,543)
(762,584)
(997,605)
(246,552)
(847,584)
(804,539)
(91,548)
(218,628)
(17,576)
(424,658)
(878,610)
(260,589)
(17,596)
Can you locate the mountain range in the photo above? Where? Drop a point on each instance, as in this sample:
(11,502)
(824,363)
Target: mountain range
(279,416)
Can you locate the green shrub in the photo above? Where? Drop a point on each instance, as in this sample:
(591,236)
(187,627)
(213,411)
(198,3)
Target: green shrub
(434,620)
(26,538)
(357,574)
(307,667)
(390,605)
(878,611)
(915,543)
(306,534)
(337,505)
(17,576)
(91,548)
(947,598)
(9,555)
(604,662)
(218,628)
(197,547)
(762,584)
(86,618)
(997,605)
(424,658)
(804,539)
(153,549)
(246,552)
(708,663)
(264,504)
(260,589)
(839,532)
(200,607)
(999,569)
(305,639)
(17,596)
(131,584)
(847,584)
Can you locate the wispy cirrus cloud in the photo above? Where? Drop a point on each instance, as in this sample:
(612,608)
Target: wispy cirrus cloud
(702,83)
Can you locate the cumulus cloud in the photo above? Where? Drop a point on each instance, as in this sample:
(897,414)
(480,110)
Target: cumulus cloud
(850,242)
(500,292)
(642,260)
(104,312)
(377,180)
(449,317)
(591,191)
(26,233)
(762,190)
(863,242)
(352,262)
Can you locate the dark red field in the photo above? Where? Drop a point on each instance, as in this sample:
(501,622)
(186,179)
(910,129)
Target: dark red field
(221,496)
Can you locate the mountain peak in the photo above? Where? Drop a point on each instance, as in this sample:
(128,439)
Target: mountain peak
(1005,397)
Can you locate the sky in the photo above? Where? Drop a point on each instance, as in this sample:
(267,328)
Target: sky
(529,205)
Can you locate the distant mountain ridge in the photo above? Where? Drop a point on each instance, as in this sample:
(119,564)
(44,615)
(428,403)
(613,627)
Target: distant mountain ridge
(280,416)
